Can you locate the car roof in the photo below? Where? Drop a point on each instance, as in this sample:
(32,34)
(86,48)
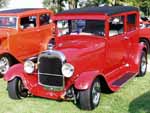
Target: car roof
(23,11)
(19,10)
(108,10)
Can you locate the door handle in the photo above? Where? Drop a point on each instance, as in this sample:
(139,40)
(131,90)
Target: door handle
(126,38)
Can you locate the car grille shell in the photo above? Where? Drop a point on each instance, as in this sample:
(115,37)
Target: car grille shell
(49,71)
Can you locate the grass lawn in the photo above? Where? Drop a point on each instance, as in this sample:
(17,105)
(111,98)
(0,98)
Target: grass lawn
(134,97)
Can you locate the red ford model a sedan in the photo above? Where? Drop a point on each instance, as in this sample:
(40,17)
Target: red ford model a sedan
(94,48)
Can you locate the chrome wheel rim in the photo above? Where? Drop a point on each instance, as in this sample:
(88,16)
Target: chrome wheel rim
(4,65)
(96,93)
(143,65)
(21,89)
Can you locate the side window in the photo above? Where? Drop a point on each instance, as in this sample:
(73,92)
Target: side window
(131,22)
(116,25)
(44,19)
(28,22)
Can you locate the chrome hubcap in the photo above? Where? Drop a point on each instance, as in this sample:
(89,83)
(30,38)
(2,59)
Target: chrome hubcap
(4,65)
(96,93)
(21,89)
(143,65)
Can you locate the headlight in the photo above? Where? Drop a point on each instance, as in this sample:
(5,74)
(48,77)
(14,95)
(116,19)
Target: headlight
(67,70)
(29,67)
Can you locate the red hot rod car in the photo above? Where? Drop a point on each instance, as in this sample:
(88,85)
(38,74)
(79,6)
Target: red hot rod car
(94,48)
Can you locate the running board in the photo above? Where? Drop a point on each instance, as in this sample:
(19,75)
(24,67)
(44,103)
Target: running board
(123,79)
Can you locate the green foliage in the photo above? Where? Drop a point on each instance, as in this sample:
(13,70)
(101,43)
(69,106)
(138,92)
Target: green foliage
(3,3)
(145,7)
(96,2)
(55,5)
(58,5)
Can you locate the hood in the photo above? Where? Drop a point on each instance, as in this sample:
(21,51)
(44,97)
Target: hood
(76,46)
(5,32)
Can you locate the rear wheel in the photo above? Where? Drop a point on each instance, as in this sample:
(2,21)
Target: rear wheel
(90,98)
(145,42)
(16,89)
(5,63)
(143,64)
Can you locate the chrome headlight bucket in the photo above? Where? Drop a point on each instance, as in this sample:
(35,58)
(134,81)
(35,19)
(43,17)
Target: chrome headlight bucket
(29,66)
(67,70)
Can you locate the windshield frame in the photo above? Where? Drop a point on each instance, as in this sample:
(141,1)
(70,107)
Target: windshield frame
(17,19)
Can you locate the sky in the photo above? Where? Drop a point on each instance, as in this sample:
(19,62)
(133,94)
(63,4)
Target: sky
(25,4)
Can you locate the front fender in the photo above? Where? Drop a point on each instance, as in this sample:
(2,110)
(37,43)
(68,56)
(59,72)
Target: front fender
(14,71)
(85,80)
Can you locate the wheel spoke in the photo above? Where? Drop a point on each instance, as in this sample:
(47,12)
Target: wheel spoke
(96,93)
(143,65)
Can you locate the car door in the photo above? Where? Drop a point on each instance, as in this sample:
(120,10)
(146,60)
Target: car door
(117,43)
(45,30)
(26,39)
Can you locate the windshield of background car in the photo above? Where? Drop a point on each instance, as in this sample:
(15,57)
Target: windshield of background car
(81,27)
(8,22)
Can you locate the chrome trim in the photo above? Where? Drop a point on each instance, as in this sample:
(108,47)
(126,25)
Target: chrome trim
(50,74)
(55,53)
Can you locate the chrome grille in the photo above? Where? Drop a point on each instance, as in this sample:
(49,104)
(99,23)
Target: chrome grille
(49,71)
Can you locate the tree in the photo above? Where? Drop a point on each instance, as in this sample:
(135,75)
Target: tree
(145,7)
(72,3)
(55,5)
(94,2)
(3,3)
(58,5)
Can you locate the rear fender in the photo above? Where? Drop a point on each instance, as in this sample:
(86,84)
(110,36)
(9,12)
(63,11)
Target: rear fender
(85,79)
(135,54)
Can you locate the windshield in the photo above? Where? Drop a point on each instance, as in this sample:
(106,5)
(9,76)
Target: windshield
(81,27)
(8,21)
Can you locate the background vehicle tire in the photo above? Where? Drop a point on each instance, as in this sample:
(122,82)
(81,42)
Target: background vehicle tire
(90,98)
(5,63)
(16,89)
(143,64)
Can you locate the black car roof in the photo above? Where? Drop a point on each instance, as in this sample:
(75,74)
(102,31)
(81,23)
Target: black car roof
(109,10)
(19,10)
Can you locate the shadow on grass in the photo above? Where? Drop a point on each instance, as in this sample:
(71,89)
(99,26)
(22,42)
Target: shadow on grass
(140,104)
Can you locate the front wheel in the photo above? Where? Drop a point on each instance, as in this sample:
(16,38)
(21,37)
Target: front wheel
(16,89)
(5,63)
(143,64)
(90,98)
